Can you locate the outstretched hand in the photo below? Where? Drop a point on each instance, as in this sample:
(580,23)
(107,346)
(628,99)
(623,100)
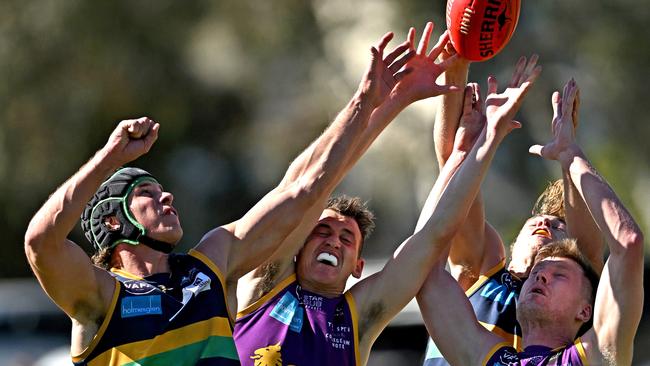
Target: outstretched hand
(384,71)
(131,139)
(564,124)
(418,80)
(501,108)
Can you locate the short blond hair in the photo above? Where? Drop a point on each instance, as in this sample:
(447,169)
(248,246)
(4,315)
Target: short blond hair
(568,248)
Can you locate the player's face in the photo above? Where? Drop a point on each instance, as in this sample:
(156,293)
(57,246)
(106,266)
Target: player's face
(331,253)
(536,232)
(152,208)
(556,290)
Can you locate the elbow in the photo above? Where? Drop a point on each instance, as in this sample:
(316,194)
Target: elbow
(632,243)
(637,243)
(35,238)
(33,242)
(633,240)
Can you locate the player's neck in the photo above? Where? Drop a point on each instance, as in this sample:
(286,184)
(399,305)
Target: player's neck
(519,268)
(549,334)
(140,260)
(325,290)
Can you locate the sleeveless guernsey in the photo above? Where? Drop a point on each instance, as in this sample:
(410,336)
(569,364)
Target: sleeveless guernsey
(494,299)
(292,326)
(505,355)
(176,318)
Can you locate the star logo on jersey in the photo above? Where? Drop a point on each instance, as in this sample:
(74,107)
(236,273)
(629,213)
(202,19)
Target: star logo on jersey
(268,356)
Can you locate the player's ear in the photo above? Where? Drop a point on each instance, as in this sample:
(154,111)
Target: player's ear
(585,313)
(358,268)
(112,223)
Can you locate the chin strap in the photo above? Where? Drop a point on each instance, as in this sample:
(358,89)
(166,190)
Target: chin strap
(154,244)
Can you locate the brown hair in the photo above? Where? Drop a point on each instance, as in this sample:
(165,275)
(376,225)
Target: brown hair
(358,210)
(551,201)
(102,258)
(568,248)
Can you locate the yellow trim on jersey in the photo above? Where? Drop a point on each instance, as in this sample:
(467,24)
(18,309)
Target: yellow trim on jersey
(165,342)
(493,350)
(352,305)
(262,300)
(125,274)
(485,276)
(581,351)
(516,340)
(102,328)
(208,262)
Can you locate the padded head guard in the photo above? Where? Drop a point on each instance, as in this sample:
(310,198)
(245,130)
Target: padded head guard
(111,199)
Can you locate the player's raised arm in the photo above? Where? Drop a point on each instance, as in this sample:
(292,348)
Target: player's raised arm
(405,85)
(477,247)
(252,239)
(619,298)
(580,223)
(63,269)
(390,289)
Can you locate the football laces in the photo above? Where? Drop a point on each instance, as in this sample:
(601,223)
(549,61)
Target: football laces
(466,20)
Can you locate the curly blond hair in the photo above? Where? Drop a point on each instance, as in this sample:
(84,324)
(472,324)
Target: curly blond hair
(551,201)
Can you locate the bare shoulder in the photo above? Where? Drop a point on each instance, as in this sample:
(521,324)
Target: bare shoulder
(371,310)
(216,245)
(91,308)
(90,312)
(589,342)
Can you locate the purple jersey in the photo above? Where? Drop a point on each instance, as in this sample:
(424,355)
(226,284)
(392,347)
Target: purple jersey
(292,326)
(573,355)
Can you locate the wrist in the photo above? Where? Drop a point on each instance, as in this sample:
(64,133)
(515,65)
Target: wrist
(362,101)
(566,156)
(457,73)
(397,100)
(104,161)
(494,136)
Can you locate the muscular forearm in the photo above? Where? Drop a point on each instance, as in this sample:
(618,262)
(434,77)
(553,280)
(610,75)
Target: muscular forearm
(450,108)
(277,226)
(57,217)
(321,167)
(613,219)
(447,171)
(458,196)
(619,299)
(580,224)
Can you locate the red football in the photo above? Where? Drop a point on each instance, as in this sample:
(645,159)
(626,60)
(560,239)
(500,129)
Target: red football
(479,29)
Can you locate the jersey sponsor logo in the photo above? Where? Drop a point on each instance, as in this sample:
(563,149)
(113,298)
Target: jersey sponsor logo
(289,312)
(132,306)
(339,332)
(313,302)
(137,287)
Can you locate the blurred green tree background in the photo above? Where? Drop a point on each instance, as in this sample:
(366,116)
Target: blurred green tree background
(240,87)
